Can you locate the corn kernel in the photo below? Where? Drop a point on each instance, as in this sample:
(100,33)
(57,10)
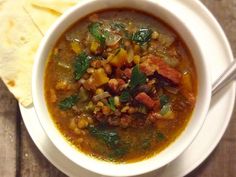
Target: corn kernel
(75,47)
(117,101)
(94,47)
(136,59)
(136,48)
(99,91)
(125,109)
(90,70)
(101,104)
(131,110)
(155,35)
(82,123)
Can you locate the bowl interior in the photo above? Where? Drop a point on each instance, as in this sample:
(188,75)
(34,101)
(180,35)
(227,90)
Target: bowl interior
(156,8)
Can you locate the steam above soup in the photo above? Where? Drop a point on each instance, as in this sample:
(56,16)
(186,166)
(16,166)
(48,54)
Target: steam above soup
(120,85)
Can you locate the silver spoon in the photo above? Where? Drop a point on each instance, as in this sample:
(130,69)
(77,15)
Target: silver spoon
(226,77)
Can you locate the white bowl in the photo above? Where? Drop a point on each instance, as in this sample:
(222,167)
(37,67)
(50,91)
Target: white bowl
(156,8)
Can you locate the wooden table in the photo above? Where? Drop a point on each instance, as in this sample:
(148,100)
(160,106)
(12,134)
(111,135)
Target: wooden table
(20,157)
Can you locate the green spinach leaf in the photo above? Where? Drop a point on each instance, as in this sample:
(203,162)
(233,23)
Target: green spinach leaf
(160,136)
(137,77)
(111,104)
(146,144)
(110,138)
(82,62)
(95,29)
(164,99)
(125,96)
(118,152)
(142,36)
(165,109)
(68,102)
(118,26)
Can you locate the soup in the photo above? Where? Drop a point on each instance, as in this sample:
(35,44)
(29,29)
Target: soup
(120,85)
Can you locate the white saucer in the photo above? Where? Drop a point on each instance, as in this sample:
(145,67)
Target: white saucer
(220,56)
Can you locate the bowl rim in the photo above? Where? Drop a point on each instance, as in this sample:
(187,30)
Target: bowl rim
(52,134)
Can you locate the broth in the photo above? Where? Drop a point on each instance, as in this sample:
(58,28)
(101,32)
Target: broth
(120,85)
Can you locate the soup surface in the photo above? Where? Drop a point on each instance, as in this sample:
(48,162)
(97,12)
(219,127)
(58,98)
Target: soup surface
(120,85)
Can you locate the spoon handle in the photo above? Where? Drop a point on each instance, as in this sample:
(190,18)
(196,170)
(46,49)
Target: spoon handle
(227,76)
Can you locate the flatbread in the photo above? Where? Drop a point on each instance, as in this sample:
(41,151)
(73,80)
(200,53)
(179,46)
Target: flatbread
(19,42)
(45,12)
(42,17)
(59,6)
(23,24)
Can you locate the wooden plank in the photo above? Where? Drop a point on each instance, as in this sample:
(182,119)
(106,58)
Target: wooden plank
(225,12)
(222,162)
(33,163)
(8,133)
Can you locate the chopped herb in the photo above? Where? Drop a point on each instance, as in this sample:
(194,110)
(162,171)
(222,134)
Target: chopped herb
(68,102)
(118,26)
(165,109)
(164,99)
(125,96)
(110,138)
(146,144)
(111,104)
(137,77)
(94,29)
(160,136)
(107,34)
(82,62)
(142,35)
(128,35)
(118,152)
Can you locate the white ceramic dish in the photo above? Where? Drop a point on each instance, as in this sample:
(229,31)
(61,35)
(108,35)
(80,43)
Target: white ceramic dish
(187,32)
(209,135)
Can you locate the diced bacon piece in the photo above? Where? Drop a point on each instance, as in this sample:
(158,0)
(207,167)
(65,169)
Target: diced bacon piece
(153,63)
(127,72)
(124,74)
(166,71)
(116,85)
(146,100)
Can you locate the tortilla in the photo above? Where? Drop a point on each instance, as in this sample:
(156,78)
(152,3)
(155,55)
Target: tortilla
(19,42)
(23,24)
(45,12)
(42,17)
(57,5)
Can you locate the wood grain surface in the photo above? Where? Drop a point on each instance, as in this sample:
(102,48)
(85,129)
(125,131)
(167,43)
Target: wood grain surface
(20,157)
